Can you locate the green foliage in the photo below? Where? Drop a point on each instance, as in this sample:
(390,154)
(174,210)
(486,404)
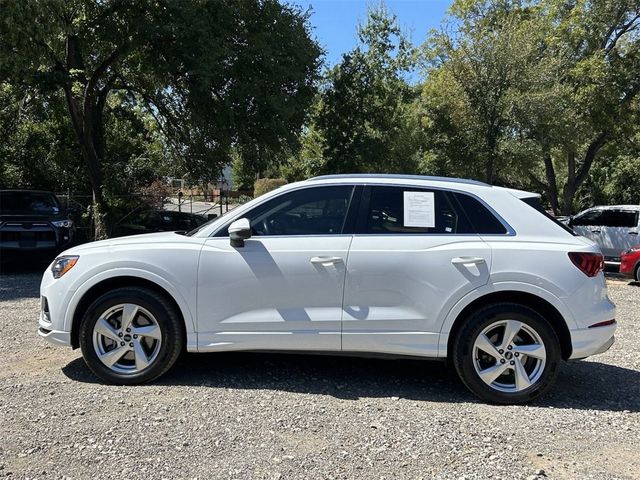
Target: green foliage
(363,113)
(210,74)
(264,185)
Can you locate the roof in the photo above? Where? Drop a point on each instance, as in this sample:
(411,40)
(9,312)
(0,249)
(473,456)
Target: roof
(615,207)
(366,176)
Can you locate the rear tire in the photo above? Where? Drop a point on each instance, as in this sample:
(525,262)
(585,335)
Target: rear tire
(131,335)
(636,275)
(507,353)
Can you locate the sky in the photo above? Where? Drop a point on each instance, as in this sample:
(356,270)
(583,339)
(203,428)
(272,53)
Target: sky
(335,21)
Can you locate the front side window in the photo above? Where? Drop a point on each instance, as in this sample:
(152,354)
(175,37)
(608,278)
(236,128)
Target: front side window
(309,211)
(590,218)
(409,210)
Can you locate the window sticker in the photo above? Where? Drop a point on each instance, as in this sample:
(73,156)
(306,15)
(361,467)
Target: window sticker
(419,209)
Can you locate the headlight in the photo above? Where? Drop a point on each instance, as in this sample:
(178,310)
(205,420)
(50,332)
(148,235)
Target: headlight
(62,265)
(63,223)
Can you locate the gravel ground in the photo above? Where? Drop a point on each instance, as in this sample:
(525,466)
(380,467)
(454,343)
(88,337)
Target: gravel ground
(290,416)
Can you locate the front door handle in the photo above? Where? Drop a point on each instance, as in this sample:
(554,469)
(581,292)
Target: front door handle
(467,260)
(595,231)
(633,233)
(326,260)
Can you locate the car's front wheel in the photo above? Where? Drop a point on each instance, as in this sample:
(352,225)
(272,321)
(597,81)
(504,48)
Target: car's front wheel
(507,353)
(130,335)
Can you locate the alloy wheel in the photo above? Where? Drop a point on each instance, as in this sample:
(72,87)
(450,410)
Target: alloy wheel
(127,338)
(509,356)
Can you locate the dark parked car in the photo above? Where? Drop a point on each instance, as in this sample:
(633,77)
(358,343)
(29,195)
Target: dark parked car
(150,221)
(33,221)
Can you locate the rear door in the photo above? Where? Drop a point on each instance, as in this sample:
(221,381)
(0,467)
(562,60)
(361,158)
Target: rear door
(414,254)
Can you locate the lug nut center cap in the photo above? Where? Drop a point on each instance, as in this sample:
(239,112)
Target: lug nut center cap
(127,338)
(508,355)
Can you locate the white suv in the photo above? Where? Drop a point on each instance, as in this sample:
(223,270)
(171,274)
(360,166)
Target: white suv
(613,228)
(392,265)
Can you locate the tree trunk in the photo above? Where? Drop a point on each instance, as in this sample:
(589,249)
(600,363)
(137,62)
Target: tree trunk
(552,186)
(575,178)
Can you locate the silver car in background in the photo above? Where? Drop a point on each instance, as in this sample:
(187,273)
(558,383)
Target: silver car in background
(613,228)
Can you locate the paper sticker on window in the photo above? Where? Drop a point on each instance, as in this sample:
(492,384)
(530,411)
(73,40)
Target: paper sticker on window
(419,209)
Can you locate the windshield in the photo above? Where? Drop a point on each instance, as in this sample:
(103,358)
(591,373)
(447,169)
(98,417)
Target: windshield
(206,224)
(28,202)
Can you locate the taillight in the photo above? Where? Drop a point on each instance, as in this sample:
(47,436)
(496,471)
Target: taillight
(591,264)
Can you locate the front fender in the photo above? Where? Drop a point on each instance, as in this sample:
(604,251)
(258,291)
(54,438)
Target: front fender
(160,277)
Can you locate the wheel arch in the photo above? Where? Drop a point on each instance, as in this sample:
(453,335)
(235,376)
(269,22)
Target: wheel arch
(111,283)
(535,302)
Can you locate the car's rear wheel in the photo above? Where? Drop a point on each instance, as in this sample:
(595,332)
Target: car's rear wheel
(130,336)
(507,353)
(637,273)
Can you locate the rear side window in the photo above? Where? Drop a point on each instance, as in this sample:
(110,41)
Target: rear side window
(406,210)
(483,221)
(620,218)
(607,218)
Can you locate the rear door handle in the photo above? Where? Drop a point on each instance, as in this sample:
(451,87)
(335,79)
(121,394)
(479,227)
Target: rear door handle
(326,260)
(633,233)
(467,260)
(595,231)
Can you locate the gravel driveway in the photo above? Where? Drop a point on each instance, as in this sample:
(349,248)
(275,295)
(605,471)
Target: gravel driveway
(290,416)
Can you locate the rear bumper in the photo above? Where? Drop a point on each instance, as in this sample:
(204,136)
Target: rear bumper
(591,341)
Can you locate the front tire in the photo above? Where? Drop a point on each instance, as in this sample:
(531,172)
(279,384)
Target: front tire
(507,353)
(130,336)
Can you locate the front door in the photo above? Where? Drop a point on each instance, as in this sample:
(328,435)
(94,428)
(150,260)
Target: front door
(283,289)
(414,255)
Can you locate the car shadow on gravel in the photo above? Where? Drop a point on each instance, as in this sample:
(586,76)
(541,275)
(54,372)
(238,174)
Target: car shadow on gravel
(581,385)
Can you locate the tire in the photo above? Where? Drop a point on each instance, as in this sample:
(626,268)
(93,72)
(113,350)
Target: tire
(636,275)
(151,345)
(526,367)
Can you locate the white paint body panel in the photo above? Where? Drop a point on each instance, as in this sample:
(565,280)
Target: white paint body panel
(269,295)
(395,294)
(398,284)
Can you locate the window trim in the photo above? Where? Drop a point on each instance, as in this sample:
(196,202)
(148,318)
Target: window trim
(366,199)
(348,226)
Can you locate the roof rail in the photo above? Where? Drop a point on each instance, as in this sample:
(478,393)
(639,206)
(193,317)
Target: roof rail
(401,177)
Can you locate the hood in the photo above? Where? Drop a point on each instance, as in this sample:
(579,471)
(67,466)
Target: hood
(147,238)
(30,217)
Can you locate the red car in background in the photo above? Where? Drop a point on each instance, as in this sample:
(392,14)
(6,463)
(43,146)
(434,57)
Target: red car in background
(630,263)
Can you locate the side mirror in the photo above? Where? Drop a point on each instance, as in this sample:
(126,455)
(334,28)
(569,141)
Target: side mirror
(211,216)
(239,231)
(570,222)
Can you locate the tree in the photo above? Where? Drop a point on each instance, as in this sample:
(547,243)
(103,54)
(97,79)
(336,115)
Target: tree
(591,53)
(362,107)
(213,74)
(476,61)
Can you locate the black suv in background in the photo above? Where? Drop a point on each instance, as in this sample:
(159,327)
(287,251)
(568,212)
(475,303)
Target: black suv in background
(33,221)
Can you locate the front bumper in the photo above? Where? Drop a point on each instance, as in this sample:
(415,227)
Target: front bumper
(49,325)
(54,337)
